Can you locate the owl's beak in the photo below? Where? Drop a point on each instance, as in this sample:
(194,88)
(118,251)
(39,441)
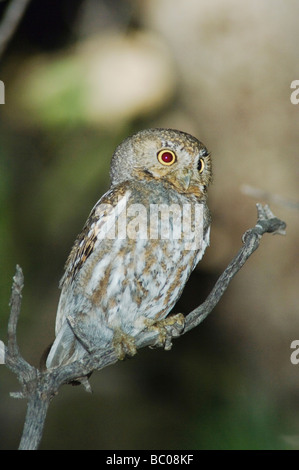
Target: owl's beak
(184,177)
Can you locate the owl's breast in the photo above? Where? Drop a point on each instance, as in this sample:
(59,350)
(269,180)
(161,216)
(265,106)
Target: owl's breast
(141,265)
(142,278)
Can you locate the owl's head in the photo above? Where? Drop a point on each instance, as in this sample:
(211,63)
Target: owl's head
(173,156)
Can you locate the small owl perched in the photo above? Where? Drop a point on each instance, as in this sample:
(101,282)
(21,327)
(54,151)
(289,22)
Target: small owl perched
(141,241)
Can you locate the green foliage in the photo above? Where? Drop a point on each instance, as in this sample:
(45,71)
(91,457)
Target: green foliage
(245,422)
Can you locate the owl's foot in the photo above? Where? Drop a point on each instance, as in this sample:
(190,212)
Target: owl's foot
(168,328)
(123,344)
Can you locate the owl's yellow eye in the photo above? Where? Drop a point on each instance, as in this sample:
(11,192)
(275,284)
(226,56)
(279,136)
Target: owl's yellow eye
(166,157)
(200,165)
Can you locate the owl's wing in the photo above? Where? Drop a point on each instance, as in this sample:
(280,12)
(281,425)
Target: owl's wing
(100,220)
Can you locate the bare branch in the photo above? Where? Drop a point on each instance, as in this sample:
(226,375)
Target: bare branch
(34,422)
(13,358)
(12,17)
(40,386)
(267,223)
(15,308)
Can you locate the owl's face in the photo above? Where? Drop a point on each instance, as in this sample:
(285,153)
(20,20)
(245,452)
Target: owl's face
(169,155)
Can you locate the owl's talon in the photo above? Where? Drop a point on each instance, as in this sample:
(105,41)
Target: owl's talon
(168,329)
(124,345)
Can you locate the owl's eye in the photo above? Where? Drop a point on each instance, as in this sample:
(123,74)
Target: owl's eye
(166,157)
(200,165)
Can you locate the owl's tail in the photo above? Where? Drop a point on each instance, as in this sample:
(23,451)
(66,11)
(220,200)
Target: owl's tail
(65,349)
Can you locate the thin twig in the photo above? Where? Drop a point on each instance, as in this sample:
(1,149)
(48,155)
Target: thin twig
(24,371)
(40,386)
(15,308)
(12,17)
(267,223)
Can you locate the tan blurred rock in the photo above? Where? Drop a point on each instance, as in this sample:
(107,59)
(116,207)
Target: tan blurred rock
(127,76)
(107,80)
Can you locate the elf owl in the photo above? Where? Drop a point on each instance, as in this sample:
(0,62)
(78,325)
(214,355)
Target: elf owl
(141,241)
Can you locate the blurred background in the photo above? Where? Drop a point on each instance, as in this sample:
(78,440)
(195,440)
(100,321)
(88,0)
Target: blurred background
(80,76)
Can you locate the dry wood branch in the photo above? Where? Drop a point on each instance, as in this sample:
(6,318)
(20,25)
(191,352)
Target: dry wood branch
(40,386)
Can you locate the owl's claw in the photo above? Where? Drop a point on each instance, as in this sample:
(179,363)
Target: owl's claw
(168,329)
(123,344)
